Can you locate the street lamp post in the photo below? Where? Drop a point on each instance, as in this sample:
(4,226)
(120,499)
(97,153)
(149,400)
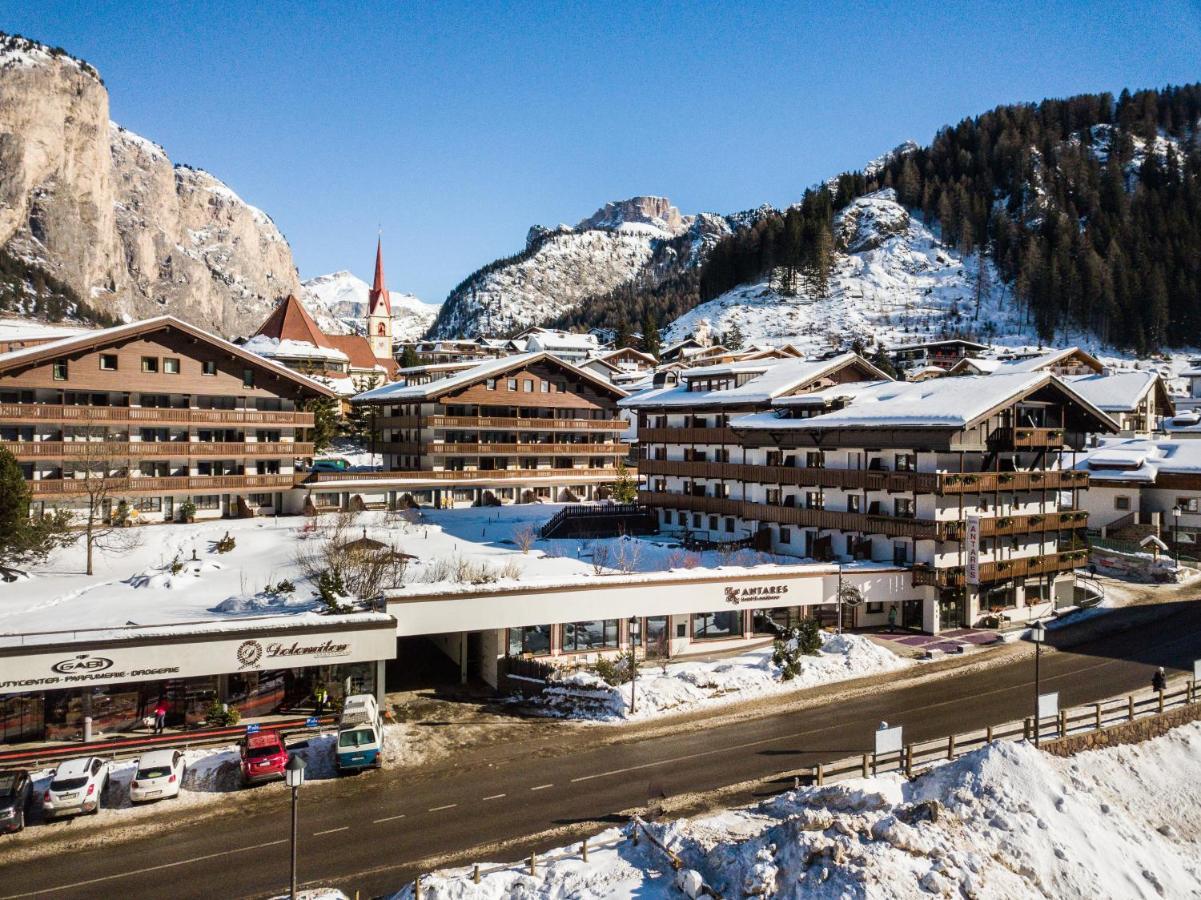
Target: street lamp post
(1176,534)
(1038,634)
(294,776)
(634,664)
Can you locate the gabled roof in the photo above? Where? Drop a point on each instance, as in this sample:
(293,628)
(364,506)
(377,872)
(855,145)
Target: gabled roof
(107,336)
(1120,391)
(975,366)
(491,368)
(628,351)
(772,378)
(358,350)
(953,403)
(945,342)
(290,321)
(1049,359)
(1138,459)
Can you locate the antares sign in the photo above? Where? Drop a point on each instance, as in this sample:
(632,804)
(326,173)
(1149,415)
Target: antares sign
(736,595)
(972,573)
(205,655)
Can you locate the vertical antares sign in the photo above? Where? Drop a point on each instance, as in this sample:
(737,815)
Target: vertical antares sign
(972,570)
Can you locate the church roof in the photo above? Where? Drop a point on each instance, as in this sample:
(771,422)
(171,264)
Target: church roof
(290,321)
(379,291)
(358,349)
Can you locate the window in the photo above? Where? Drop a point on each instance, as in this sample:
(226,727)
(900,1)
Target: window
(108,362)
(655,636)
(150,364)
(207,501)
(171,365)
(1121,503)
(528,385)
(60,370)
(904,508)
(248,378)
(785,535)
(875,606)
(148,504)
(512,384)
(814,500)
(905,462)
(208,367)
(729,526)
(716,625)
(545,386)
(490,384)
(815,459)
(532,639)
(580,637)
(853,503)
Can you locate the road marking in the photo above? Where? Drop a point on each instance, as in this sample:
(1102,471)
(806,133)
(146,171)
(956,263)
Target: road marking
(665,762)
(331,830)
(143,869)
(542,787)
(387,819)
(495,797)
(440,808)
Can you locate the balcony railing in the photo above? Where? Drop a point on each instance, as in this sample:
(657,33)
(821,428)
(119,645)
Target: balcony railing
(687,436)
(198,484)
(146,449)
(871,479)
(1034,523)
(49,412)
(1002,570)
(893,526)
(310,479)
(575,449)
(1025,438)
(526,424)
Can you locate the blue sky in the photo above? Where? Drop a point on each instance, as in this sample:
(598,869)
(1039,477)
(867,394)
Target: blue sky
(454,127)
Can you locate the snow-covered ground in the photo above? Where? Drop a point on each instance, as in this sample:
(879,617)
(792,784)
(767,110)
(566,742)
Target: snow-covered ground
(1006,821)
(676,687)
(893,283)
(137,585)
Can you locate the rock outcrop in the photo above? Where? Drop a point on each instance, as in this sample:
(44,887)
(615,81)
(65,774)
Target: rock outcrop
(106,213)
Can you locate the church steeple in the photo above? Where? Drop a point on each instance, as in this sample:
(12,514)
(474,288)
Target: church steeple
(379,310)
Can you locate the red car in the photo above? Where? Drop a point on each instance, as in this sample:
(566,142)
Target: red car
(263,757)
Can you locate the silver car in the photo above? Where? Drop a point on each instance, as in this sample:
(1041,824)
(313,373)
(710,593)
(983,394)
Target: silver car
(76,787)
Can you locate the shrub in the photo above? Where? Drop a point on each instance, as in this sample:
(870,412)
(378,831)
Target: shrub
(225,544)
(176,565)
(600,558)
(332,591)
(219,715)
(617,670)
(524,538)
(187,511)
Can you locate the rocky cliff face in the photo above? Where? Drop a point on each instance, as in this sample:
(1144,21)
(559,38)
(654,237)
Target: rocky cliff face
(106,213)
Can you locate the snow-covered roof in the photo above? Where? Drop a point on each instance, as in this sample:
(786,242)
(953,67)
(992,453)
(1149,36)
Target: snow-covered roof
(103,336)
(773,378)
(485,369)
(981,365)
(274,348)
(1116,392)
(1139,459)
(29,330)
(1046,360)
(935,403)
(561,340)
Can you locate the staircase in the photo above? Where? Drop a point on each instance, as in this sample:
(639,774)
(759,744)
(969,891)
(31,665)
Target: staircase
(603,520)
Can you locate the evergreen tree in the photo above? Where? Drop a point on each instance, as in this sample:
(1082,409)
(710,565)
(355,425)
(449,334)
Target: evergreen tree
(325,421)
(409,358)
(24,538)
(733,338)
(650,335)
(622,337)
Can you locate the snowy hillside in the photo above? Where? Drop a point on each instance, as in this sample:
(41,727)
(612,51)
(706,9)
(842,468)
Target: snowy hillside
(338,302)
(561,268)
(893,281)
(1006,821)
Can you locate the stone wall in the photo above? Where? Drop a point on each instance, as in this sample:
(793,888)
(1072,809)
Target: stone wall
(1127,733)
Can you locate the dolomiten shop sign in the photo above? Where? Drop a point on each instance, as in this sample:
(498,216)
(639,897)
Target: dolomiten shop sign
(148,661)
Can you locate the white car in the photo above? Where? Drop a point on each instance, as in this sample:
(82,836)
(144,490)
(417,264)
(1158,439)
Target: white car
(76,787)
(160,775)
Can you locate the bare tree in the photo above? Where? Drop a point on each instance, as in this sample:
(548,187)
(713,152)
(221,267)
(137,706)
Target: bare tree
(524,538)
(600,557)
(101,471)
(365,567)
(629,554)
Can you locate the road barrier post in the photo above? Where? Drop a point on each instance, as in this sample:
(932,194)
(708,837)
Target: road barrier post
(533,863)
(475,873)
(818,776)
(583,850)
(417,888)
(1130,707)
(1097,715)
(865,764)
(909,760)
(1027,730)
(950,746)
(1161,700)
(988,734)
(1063,723)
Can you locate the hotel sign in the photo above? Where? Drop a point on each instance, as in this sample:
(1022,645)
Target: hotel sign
(736,595)
(972,570)
(118,662)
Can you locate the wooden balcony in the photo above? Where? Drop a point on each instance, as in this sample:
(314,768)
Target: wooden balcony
(942,483)
(48,412)
(1035,523)
(311,479)
(575,449)
(863,523)
(526,424)
(153,449)
(1002,570)
(195,484)
(1026,438)
(688,436)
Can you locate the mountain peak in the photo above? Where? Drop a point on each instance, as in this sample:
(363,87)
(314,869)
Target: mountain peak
(656,212)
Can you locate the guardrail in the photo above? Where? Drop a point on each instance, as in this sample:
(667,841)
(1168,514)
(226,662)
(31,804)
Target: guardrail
(915,757)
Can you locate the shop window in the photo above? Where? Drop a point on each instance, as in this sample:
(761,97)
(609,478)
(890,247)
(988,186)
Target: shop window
(532,639)
(580,637)
(720,625)
(655,636)
(108,362)
(875,606)
(776,621)
(60,370)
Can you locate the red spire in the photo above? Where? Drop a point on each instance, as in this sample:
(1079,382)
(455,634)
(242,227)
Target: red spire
(379,293)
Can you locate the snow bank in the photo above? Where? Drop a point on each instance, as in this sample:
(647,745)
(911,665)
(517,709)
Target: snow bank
(1003,822)
(683,686)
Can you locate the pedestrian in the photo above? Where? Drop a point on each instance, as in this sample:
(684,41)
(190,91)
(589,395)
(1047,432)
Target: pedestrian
(321,696)
(160,715)
(892,618)
(1159,681)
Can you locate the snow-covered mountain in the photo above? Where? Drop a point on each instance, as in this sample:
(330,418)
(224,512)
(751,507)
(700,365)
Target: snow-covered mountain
(643,239)
(893,281)
(338,302)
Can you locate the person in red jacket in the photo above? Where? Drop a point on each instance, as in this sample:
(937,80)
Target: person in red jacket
(160,715)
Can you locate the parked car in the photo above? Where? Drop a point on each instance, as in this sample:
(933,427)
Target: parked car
(263,757)
(160,775)
(333,464)
(76,787)
(16,790)
(360,734)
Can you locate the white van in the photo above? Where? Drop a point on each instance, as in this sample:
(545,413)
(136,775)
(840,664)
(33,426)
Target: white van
(360,734)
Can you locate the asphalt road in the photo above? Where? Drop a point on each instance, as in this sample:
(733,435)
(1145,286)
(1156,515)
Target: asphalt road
(371,833)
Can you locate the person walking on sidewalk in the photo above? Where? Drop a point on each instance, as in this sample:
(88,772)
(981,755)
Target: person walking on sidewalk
(320,698)
(892,618)
(1159,681)
(160,715)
